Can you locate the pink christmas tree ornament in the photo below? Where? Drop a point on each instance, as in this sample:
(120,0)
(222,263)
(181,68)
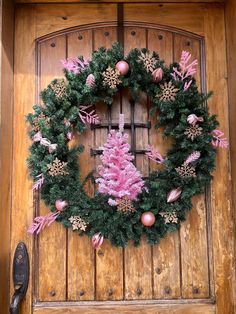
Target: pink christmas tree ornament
(173,195)
(118,175)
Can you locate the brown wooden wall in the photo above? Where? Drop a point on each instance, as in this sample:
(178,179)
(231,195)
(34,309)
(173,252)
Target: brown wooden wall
(6,86)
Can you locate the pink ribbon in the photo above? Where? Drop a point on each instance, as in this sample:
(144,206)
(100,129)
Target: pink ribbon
(44,141)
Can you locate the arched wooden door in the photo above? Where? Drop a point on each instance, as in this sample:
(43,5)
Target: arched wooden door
(180,274)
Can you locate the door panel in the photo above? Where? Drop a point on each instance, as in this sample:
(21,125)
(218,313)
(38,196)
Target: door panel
(65,268)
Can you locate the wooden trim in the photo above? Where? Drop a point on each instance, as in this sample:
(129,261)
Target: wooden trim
(115,1)
(6,86)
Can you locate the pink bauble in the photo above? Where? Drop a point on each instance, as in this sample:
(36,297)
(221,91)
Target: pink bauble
(148,219)
(60,205)
(173,195)
(122,67)
(157,75)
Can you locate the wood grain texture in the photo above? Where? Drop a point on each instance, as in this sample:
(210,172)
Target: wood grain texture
(222,223)
(80,273)
(6,133)
(230,20)
(52,243)
(114,1)
(24,97)
(131,309)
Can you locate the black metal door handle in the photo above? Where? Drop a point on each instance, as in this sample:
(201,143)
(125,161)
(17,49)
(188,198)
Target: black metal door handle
(20,276)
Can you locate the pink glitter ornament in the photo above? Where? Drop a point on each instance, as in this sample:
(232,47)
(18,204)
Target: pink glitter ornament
(60,205)
(90,80)
(97,240)
(148,219)
(173,195)
(157,75)
(122,67)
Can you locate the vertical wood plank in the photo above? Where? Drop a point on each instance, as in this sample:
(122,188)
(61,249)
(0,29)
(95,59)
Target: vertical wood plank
(109,259)
(80,253)
(138,260)
(53,242)
(24,87)
(166,257)
(222,223)
(193,232)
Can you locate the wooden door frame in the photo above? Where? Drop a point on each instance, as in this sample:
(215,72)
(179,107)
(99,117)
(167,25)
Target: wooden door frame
(7,33)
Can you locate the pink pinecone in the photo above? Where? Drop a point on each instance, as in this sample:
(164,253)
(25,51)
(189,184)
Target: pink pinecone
(90,80)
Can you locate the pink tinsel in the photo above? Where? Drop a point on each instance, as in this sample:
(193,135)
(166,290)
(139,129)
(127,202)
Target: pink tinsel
(88,117)
(75,65)
(193,157)
(219,140)
(154,154)
(119,176)
(44,141)
(38,184)
(186,69)
(41,222)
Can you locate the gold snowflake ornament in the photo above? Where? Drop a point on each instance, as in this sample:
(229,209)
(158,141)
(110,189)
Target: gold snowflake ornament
(57,168)
(186,171)
(78,223)
(168,92)
(148,60)
(36,124)
(193,131)
(59,88)
(125,205)
(170,217)
(111,77)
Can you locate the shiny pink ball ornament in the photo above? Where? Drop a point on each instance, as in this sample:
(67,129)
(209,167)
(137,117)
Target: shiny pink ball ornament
(157,75)
(60,205)
(148,219)
(122,67)
(97,240)
(173,195)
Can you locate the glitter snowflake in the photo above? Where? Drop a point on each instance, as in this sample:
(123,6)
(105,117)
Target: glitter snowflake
(125,205)
(193,131)
(36,124)
(186,171)
(59,88)
(170,217)
(57,168)
(78,223)
(148,60)
(168,92)
(111,77)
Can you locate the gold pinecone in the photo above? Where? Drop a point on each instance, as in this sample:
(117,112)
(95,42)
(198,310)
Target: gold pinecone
(111,77)
(59,88)
(78,223)
(186,171)
(193,131)
(168,92)
(148,60)
(57,168)
(170,217)
(125,205)
(35,121)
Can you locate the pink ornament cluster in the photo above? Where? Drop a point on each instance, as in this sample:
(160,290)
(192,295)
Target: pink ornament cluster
(118,175)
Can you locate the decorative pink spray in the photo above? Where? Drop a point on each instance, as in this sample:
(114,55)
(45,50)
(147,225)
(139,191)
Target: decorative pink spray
(118,175)
(193,157)
(40,181)
(41,222)
(88,117)
(219,140)
(75,65)
(154,154)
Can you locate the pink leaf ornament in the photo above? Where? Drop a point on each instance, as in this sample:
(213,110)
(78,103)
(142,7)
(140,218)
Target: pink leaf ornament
(97,240)
(154,154)
(193,157)
(173,195)
(38,184)
(186,68)
(219,140)
(75,65)
(41,222)
(88,117)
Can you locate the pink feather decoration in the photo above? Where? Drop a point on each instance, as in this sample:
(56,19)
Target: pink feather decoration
(186,68)
(173,195)
(193,157)
(88,117)
(90,80)
(38,184)
(219,140)
(41,222)
(154,154)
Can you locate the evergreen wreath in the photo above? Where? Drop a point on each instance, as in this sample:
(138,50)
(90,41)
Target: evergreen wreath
(124,207)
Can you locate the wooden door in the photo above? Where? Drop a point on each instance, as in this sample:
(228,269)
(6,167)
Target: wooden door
(190,270)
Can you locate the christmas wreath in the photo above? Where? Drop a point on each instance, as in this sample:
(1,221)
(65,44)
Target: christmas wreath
(125,206)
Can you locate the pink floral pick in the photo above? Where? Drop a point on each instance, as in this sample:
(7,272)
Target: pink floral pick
(38,184)
(193,157)
(75,65)
(88,117)
(186,68)
(41,222)
(154,154)
(219,140)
